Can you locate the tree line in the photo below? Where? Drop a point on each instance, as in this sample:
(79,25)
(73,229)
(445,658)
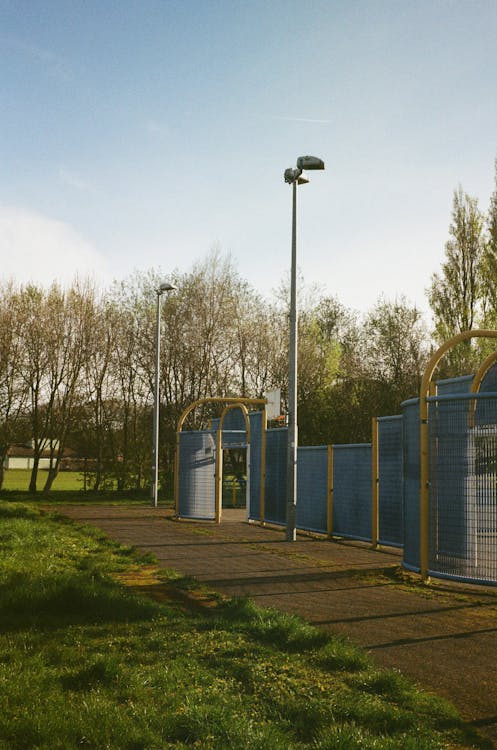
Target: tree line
(77,363)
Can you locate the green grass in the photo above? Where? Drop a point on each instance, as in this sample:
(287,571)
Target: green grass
(85,663)
(18,480)
(68,487)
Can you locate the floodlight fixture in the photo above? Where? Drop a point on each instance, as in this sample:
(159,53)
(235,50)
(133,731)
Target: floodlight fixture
(165,286)
(292,174)
(310,162)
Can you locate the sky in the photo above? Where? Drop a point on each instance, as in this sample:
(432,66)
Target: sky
(140,135)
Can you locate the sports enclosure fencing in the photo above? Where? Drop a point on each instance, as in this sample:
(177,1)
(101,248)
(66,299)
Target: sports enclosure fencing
(370,492)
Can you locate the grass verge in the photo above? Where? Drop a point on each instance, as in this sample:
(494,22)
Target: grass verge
(84,662)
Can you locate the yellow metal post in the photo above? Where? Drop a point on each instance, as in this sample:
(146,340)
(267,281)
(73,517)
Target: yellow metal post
(329,515)
(176,475)
(219,475)
(262,499)
(375,479)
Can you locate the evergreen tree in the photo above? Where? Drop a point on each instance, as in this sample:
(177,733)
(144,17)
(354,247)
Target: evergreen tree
(490,263)
(455,295)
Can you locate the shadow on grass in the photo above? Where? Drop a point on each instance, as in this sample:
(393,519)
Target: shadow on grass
(68,599)
(83,497)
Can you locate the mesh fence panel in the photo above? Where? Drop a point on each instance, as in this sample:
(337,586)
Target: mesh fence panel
(391,475)
(489,382)
(255,465)
(197,475)
(454,385)
(352,491)
(463,487)
(234,420)
(410,441)
(234,438)
(276,453)
(312,488)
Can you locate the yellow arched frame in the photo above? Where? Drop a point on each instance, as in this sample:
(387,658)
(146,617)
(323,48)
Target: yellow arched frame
(232,402)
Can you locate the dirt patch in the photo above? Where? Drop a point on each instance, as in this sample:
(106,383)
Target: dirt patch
(147,581)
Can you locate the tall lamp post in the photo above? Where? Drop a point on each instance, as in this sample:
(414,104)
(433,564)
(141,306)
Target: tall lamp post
(164,287)
(294,176)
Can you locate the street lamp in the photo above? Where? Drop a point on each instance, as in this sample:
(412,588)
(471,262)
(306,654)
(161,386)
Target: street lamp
(163,287)
(294,176)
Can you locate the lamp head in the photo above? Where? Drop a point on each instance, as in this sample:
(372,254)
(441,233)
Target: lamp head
(165,286)
(310,162)
(295,175)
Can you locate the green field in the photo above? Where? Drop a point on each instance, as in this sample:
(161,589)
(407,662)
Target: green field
(18,480)
(69,487)
(86,663)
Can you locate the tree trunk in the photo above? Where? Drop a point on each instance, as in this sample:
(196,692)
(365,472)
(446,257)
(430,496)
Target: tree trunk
(51,476)
(34,473)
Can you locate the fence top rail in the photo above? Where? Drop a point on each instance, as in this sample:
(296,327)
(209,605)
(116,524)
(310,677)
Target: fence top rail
(462,396)
(198,432)
(351,445)
(313,447)
(410,401)
(458,379)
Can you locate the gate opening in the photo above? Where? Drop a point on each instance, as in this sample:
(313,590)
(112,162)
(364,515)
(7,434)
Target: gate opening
(235,478)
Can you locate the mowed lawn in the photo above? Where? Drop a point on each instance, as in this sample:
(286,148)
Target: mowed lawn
(18,480)
(86,663)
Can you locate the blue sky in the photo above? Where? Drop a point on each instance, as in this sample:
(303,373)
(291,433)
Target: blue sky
(138,135)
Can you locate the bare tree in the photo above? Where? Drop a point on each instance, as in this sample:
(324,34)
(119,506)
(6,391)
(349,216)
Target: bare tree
(13,391)
(71,317)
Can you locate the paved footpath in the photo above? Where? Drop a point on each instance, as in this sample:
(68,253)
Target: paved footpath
(443,637)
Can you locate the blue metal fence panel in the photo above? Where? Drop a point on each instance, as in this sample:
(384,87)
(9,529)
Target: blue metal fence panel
(454,385)
(410,422)
(276,453)
(391,481)
(448,471)
(234,420)
(255,465)
(197,467)
(352,494)
(234,439)
(489,382)
(463,487)
(312,488)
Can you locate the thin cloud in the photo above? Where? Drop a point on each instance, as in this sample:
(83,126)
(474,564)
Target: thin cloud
(36,248)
